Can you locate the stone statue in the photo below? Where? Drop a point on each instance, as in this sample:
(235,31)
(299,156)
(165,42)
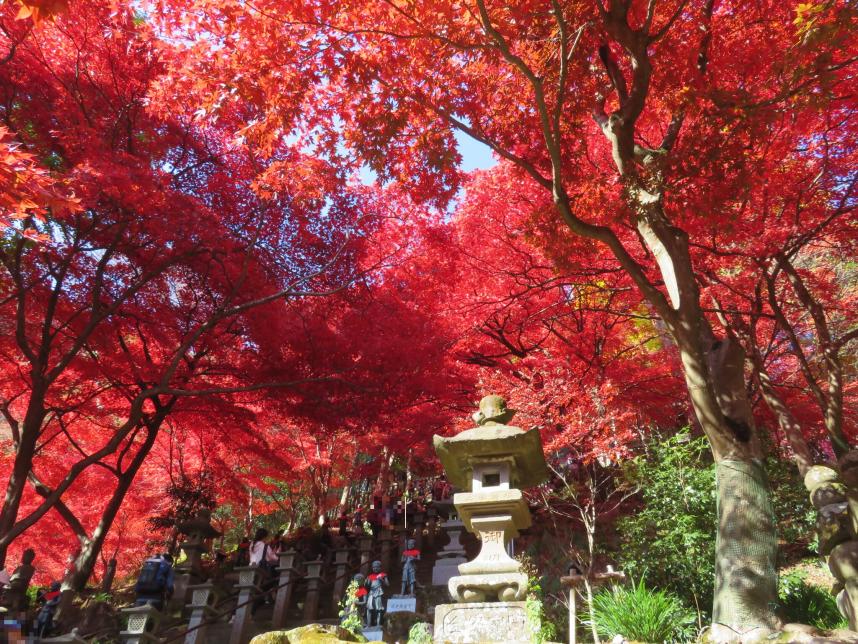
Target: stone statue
(410,557)
(376,582)
(20,581)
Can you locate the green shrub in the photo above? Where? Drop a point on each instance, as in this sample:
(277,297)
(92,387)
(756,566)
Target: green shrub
(638,613)
(803,603)
(671,538)
(349,613)
(420,634)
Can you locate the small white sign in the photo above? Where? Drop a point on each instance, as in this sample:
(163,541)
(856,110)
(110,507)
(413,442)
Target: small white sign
(402,604)
(373,633)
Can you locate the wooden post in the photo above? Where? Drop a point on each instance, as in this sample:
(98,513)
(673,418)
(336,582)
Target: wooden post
(574,581)
(286,586)
(431,527)
(418,520)
(386,540)
(248,586)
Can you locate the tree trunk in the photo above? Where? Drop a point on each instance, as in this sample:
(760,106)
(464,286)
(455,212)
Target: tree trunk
(25,451)
(88,557)
(746,542)
(745,550)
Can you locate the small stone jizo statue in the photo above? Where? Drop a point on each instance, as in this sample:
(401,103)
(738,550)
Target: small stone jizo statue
(410,557)
(376,582)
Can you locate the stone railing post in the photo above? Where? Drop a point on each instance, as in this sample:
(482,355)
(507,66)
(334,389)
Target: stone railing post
(203,599)
(365,548)
(386,541)
(285,587)
(142,626)
(311,597)
(248,586)
(341,572)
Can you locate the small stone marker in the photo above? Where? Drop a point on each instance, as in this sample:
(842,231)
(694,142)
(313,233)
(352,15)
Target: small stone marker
(373,633)
(400,603)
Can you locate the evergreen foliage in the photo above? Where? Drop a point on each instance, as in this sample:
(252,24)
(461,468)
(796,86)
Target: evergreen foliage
(671,538)
(804,603)
(641,614)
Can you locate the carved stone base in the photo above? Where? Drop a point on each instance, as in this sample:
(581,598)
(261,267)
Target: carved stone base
(482,622)
(506,587)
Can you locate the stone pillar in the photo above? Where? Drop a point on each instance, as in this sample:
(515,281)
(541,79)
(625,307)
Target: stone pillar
(311,598)
(386,541)
(453,554)
(203,600)
(341,572)
(248,586)
(285,588)
(109,575)
(142,625)
(365,546)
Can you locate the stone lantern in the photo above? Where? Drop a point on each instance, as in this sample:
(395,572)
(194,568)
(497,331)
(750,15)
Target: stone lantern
(198,531)
(491,463)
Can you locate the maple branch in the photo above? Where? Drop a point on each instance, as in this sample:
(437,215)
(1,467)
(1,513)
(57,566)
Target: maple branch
(61,508)
(478,136)
(246,388)
(795,344)
(661,32)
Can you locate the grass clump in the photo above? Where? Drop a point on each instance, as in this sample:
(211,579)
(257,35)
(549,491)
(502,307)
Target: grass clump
(641,614)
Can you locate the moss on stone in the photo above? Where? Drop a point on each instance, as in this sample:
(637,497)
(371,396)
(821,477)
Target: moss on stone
(309,634)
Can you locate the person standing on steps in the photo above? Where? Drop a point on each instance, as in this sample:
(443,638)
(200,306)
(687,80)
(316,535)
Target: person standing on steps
(262,555)
(155,581)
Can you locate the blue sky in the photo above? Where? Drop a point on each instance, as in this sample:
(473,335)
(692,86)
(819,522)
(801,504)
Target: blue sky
(475,155)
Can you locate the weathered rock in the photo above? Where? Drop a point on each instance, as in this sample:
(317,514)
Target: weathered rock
(843,561)
(832,526)
(309,634)
(828,493)
(843,635)
(818,475)
(806,629)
